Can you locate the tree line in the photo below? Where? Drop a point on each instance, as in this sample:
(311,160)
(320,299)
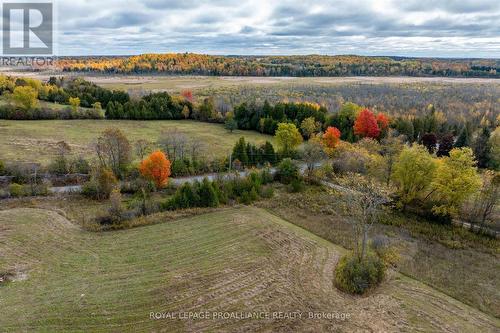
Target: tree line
(309,65)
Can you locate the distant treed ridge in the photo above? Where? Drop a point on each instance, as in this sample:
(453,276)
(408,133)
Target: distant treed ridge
(308,65)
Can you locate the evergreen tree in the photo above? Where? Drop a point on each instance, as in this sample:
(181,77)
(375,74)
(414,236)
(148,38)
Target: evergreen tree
(185,197)
(463,139)
(482,148)
(269,155)
(267,109)
(208,196)
(240,151)
(230,124)
(110,110)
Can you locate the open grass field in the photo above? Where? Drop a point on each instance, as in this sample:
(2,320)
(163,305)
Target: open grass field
(177,83)
(241,259)
(36,140)
(453,260)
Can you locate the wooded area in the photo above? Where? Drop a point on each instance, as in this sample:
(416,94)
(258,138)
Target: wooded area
(309,65)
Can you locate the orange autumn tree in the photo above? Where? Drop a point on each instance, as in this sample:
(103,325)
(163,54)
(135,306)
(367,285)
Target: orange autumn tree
(331,137)
(382,121)
(156,167)
(366,125)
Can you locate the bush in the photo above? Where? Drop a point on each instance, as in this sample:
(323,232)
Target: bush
(90,189)
(116,210)
(266,176)
(267,192)
(2,168)
(16,190)
(382,247)
(287,171)
(357,277)
(211,194)
(21,172)
(59,166)
(297,185)
(99,187)
(80,165)
(4,194)
(208,196)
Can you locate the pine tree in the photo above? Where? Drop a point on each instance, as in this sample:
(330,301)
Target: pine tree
(463,139)
(269,155)
(482,148)
(110,110)
(240,151)
(208,196)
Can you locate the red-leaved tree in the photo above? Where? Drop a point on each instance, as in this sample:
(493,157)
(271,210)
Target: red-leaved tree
(331,137)
(383,124)
(156,167)
(188,95)
(366,125)
(382,121)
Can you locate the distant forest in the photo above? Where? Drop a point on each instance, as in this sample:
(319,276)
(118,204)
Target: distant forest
(298,66)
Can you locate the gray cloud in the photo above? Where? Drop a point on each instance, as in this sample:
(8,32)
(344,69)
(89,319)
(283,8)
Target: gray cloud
(384,27)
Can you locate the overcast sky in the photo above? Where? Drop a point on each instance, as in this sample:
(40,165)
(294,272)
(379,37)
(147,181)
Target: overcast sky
(442,28)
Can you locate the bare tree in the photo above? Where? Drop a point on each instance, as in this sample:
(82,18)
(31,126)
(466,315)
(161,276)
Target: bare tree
(142,148)
(312,153)
(486,201)
(178,146)
(364,201)
(391,147)
(113,150)
(174,144)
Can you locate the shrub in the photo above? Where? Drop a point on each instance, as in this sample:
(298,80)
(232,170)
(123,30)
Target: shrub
(287,171)
(382,247)
(142,203)
(180,168)
(253,194)
(21,172)
(357,277)
(297,185)
(185,197)
(116,209)
(99,187)
(266,176)
(267,192)
(245,198)
(211,194)
(208,196)
(90,189)
(59,166)
(136,185)
(2,168)
(41,188)
(4,194)
(80,165)
(16,190)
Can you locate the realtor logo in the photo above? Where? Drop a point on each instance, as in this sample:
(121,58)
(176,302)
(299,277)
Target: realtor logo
(27,28)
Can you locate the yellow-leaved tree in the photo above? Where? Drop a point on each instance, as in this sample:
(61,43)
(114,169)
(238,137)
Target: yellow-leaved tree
(25,97)
(288,138)
(413,173)
(455,180)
